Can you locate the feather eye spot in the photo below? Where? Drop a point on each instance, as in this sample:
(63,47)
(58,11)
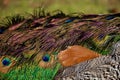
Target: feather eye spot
(46,58)
(110,17)
(1,30)
(6,61)
(101,36)
(69,20)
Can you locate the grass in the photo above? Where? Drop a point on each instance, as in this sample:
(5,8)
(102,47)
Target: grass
(67,6)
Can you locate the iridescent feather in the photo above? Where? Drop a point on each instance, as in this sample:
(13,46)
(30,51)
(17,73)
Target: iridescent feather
(33,43)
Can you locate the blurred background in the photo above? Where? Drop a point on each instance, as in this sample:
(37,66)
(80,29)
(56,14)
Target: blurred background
(9,7)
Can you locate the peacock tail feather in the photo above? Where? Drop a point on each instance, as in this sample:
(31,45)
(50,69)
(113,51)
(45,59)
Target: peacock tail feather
(30,44)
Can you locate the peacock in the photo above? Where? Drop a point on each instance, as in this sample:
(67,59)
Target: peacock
(105,67)
(39,45)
